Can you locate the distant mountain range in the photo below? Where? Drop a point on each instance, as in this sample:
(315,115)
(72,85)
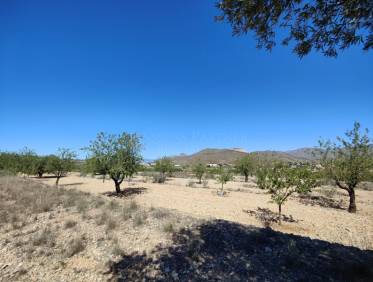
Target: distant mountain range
(229,156)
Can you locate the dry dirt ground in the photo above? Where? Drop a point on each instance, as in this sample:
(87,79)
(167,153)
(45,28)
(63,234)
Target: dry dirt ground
(317,216)
(82,231)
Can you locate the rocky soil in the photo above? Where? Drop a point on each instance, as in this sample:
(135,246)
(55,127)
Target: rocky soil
(55,234)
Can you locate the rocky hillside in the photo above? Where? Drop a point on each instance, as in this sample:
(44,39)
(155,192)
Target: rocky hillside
(229,156)
(218,156)
(307,154)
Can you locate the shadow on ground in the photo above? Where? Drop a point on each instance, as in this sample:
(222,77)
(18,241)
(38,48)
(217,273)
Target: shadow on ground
(224,251)
(46,177)
(321,201)
(72,184)
(268,217)
(126,192)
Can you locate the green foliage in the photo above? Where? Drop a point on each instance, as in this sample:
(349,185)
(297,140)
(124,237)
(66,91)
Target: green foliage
(40,166)
(223,177)
(164,165)
(281,181)
(94,166)
(245,166)
(199,170)
(261,174)
(27,161)
(61,164)
(118,156)
(321,25)
(10,162)
(349,161)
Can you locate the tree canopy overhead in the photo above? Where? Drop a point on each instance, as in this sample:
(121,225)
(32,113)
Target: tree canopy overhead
(327,26)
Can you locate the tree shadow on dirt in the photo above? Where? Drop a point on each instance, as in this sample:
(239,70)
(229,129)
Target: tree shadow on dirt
(126,192)
(46,177)
(321,201)
(268,217)
(72,184)
(224,251)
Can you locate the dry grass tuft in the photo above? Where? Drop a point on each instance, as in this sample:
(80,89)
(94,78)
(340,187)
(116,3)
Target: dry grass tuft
(75,246)
(159,213)
(44,238)
(168,228)
(139,219)
(102,218)
(70,224)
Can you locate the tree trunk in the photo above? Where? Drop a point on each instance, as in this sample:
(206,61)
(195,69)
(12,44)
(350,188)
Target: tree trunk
(200,180)
(117,186)
(57,180)
(246,178)
(40,175)
(352,206)
(279,214)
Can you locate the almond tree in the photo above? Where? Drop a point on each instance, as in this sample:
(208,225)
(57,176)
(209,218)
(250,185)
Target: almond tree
(223,177)
(326,26)
(245,166)
(348,161)
(117,155)
(163,166)
(282,181)
(40,166)
(199,170)
(61,164)
(27,159)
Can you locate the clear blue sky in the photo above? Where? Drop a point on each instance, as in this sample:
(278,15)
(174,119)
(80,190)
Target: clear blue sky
(166,70)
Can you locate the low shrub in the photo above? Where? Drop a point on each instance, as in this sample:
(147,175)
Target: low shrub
(168,228)
(75,246)
(159,178)
(191,184)
(138,220)
(44,238)
(70,224)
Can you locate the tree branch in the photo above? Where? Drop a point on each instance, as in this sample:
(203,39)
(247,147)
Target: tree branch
(340,185)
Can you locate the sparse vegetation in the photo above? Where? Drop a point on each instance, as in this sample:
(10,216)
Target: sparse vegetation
(111,224)
(40,222)
(44,238)
(75,246)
